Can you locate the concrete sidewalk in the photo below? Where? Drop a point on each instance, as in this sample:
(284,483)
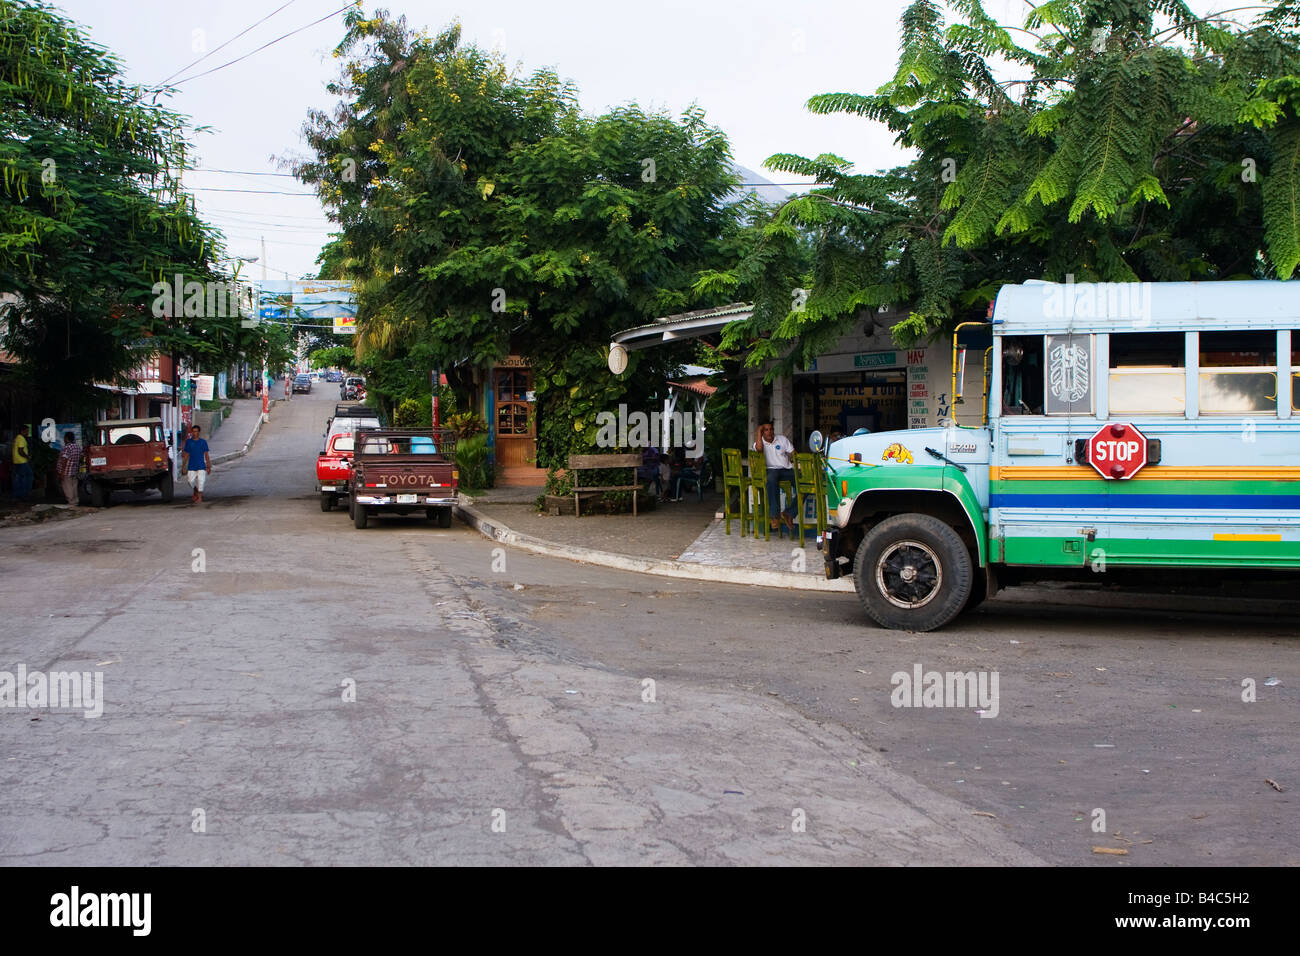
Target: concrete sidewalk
(237,432)
(683,539)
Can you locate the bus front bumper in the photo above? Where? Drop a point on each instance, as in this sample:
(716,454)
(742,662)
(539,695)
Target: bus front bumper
(832,541)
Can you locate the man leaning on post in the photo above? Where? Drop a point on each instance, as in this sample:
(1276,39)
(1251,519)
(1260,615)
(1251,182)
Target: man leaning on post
(21,462)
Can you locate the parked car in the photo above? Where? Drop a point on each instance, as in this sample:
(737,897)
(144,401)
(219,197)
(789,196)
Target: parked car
(334,470)
(129,454)
(302,383)
(350,418)
(403,471)
(333,376)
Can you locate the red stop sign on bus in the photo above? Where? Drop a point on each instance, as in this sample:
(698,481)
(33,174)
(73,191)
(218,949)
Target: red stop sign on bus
(1117,451)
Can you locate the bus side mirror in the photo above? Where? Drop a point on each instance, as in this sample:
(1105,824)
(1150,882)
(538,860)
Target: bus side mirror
(816,442)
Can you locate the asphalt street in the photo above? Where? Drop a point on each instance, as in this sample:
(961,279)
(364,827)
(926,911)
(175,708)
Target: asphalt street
(280,688)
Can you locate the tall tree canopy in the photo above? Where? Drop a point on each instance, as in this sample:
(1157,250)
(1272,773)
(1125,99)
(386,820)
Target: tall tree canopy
(1116,140)
(481,210)
(92,213)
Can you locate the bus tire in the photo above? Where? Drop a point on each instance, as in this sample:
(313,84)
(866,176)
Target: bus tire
(979,588)
(913,573)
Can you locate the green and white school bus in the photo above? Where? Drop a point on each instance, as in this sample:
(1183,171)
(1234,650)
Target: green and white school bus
(1126,428)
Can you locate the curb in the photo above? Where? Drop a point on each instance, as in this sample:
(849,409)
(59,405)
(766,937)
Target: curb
(232,455)
(669,569)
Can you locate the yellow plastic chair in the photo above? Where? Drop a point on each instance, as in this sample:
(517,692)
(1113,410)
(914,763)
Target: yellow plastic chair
(758,484)
(809,479)
(733,476)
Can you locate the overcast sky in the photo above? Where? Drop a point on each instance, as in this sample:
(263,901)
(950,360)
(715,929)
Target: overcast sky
(751,64)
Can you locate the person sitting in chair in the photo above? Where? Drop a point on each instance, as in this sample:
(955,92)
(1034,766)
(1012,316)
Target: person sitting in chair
(692,470)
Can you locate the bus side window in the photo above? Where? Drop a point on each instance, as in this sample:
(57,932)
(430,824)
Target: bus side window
(1238,373)
(1295,370)
(1148,373)
(1022,375)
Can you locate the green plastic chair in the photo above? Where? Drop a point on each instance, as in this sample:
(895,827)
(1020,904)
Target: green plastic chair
(758,484)
(733,476)
(810,479)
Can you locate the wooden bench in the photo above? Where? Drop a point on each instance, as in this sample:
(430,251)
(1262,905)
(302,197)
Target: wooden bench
(578,463)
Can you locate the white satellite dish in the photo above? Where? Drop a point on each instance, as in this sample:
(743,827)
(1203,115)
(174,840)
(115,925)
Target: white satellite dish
(617,359)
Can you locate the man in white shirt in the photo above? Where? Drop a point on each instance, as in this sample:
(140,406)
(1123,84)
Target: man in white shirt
(777,449)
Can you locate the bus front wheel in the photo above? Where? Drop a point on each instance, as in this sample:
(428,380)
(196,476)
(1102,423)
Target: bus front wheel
(913,573)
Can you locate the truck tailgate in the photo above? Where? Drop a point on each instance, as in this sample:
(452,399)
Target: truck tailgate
(404,472)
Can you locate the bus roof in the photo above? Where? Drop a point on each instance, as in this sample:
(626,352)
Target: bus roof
(1061,307)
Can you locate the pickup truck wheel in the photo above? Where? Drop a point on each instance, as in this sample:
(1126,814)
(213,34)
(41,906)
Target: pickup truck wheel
(913,573)
(83,492)
(99,494)
(167,487)
(358,516)
(326,501)
(444,517)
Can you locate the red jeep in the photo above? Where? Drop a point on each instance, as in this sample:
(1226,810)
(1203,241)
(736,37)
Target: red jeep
(128,455)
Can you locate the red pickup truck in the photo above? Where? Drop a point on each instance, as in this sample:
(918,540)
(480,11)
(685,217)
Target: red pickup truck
(334,470)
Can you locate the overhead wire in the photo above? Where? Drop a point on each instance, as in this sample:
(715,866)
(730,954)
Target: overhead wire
(265,45)
(224,45)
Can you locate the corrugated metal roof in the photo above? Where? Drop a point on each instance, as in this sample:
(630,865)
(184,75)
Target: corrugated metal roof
(682,325)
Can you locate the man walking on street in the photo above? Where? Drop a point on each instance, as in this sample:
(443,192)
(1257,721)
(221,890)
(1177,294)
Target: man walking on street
(21,459)
(776,450)
(68,465)
(195,453)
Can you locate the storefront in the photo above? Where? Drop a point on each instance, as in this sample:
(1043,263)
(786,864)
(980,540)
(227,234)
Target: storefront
(864,381)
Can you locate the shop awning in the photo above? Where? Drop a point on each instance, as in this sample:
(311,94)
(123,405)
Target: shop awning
(685,325)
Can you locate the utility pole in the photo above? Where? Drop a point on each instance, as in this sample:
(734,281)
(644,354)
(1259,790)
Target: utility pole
(266,384)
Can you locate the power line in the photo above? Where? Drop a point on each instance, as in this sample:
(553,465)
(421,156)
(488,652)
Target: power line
(279,242)
(239,172)
(499,180)
(245,212)
(226,44)
(263,192)
(265,45)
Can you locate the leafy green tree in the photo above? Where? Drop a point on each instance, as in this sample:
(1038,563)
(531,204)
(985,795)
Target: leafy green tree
(1115,140)
(481,211)
(339,355)
(92,214)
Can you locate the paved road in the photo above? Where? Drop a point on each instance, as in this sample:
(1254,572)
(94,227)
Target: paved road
(502,713)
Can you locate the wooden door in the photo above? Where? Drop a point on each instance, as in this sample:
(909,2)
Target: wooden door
(516,429)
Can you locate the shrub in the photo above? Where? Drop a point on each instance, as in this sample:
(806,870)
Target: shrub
(412,413)
(465,425)
(472,462)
